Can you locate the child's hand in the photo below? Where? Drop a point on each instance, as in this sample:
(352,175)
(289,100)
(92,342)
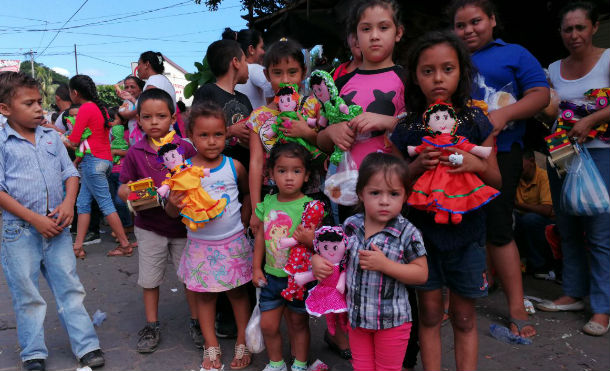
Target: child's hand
(240,131)
(372,260)
(428,159)
(297,128)
(258,278)
(46,226)
(64,214)
(470,164)
(369,121)
(304,235)
(321,267)
(342,135)
(176,199)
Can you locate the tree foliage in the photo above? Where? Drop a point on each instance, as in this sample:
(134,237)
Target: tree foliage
(255,8)
(108,96)
(57,78)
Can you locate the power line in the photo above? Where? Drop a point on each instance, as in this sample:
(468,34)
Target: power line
(58,31)
(103,60)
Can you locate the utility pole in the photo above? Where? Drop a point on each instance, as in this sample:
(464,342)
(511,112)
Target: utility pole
(31,54)
(75,59)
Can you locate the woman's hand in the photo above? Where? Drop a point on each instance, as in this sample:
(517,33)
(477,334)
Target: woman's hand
(470,163)
(321,267)
(581,129)
(342,135)
(369,121)
(428,159)
(498,119)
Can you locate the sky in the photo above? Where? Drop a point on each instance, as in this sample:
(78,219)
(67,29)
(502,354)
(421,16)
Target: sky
(110,34)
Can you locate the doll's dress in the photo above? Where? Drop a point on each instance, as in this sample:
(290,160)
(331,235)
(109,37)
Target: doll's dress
(282,138)
(200,206)
(324,298)
(455,193)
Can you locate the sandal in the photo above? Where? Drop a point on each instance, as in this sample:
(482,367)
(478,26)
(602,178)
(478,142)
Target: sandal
(126,251)
(520,324)
(79,253)
(240,351)
(343,353)
(212,354)
(595,329)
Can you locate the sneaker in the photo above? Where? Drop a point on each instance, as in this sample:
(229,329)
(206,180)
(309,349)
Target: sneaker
(34,365)
(150,337)
(195,333)
(92,238)
(93,359)
(268,367)
(225,327)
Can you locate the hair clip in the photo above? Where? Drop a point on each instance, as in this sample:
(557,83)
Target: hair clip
(160,57)
(283,39)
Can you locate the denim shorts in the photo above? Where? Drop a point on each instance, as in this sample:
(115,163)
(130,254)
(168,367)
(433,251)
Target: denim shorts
(462,270)
(94,185)
(271,296)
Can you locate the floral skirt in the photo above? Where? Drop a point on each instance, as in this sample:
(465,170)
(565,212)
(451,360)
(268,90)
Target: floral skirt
(215,266)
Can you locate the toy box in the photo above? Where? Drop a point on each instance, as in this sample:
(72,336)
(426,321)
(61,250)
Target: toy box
(143,195)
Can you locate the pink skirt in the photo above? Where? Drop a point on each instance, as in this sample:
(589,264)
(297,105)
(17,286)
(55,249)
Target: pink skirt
(216,266)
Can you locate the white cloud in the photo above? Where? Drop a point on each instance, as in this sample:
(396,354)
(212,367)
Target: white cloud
(61,71)
(92,72)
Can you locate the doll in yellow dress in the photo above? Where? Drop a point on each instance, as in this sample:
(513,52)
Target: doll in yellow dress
(183,176)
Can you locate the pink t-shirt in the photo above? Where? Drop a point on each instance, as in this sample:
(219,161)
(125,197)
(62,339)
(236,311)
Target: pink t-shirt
(380,91)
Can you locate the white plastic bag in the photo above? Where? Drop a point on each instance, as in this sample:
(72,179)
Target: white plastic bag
(341,187)
(254,335)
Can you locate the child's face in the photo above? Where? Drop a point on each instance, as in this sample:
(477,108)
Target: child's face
(208,136)
(155,118)
(73,112)
(376,35)
(474,26)
(242,70)
(288,71)
(441,121)
(289,174)
(383,197)
(24,110)
(438,72)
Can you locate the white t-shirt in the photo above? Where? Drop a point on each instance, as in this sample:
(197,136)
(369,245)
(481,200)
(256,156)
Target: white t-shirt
(162,82)
(257,88)
(59,121)
(574,90)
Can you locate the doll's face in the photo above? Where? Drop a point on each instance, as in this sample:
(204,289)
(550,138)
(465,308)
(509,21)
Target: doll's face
(172,159)
(441,121)
(332,251)
(286,103)
(321,92)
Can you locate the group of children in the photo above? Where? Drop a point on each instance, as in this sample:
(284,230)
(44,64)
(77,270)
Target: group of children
(385,254)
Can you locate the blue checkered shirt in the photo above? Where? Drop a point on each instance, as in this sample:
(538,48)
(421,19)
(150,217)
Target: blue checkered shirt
(34,175)
(376,301)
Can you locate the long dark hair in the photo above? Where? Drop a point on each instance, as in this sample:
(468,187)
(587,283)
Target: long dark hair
(245,37)
(155,59)
(414,97)
(85,86)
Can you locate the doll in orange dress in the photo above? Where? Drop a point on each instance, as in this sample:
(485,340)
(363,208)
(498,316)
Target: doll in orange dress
(183,176)
(448,195)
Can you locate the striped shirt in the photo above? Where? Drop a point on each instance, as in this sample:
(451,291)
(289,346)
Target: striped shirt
(34,174)
(376,301)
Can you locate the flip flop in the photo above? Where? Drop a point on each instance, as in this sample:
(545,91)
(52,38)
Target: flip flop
(520,324)
(595,329)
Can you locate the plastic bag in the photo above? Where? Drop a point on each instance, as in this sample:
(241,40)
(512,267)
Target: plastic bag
(584,191)
(254,335)
(341,187)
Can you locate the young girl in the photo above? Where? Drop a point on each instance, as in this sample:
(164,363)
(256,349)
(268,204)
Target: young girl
(95,167)
(440,69)
(284,63)
(289,166)
(218,258)
(385,253)
(376,85)
(118,147)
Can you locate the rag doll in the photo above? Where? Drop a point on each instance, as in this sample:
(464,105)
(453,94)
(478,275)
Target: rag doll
(118,141)
(334,109)
(328,296)
(299,259)
(287,99)
(83,148)
(448,195)
(183,176)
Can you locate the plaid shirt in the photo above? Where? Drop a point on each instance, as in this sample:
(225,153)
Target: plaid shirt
(376,301)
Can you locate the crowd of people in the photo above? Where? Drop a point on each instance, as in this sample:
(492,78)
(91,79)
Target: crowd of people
(245,177)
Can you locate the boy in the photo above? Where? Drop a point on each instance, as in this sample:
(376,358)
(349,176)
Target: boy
(34,164)
(159,236)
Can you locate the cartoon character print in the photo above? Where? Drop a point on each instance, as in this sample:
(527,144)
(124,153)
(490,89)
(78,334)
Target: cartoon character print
(349,98)
(277,225)
(265,132)
(383,103)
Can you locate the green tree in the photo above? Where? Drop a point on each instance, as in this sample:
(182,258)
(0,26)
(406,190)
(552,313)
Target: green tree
(108,96)
(47,87)
(57,78)
(254,7)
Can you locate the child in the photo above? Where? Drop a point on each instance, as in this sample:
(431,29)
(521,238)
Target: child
(289,166)
(95,167)
(118,147)
(385,252)
(158,235)
(228,64)
(440,69)
(35,231)
(284,63)
(376,85)
(217,258)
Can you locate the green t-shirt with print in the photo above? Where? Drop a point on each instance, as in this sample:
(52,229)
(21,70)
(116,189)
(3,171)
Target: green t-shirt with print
(280,219)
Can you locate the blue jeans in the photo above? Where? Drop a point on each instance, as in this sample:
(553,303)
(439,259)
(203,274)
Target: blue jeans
(120,205)
(25,254)
(94,173)
(529,235)
(585,243)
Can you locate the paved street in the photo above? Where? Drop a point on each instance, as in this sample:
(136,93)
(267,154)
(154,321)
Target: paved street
(111,287)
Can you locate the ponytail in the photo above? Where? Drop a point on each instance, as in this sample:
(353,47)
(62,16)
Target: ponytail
(155,59)
(87,89)
(245,37)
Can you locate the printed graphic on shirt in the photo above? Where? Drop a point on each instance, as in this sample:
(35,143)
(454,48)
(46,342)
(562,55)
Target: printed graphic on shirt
(277,225)
(383,103)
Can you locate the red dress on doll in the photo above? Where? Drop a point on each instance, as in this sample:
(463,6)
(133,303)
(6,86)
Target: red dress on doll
(452,193)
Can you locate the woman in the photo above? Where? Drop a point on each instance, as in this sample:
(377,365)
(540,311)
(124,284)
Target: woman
(133,88)
(586,261)
(503,67)
(258,88)
(352,64)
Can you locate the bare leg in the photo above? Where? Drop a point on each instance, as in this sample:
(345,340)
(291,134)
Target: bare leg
(430,319)
(151,304)
(299,330)
(81,229)
(191,299)
(465,337)
(206,312)
(270,327)
(241,309)
(117,227)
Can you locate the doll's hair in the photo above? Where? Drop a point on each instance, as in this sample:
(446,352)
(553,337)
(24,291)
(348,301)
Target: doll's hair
(277,218)
(389,164)
(155,59)
(330,234)
(220,54)
(590,10)
(284,49)
(168,147)
(156,94)
(289,149)
(359,7)
(11,81)
(438,107)
(85,86)
(414,97)
(287,90)
(315,80)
